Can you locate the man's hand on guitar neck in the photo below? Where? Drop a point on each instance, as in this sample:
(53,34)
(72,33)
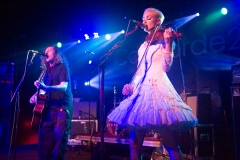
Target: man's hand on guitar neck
(40,85)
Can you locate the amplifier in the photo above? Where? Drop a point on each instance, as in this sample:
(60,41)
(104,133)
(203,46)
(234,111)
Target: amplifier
(201,107)
(83,127)
(236,119)
(204,136)
(236,74)
(204,133)
(6,84)
(198,142)
(6,68)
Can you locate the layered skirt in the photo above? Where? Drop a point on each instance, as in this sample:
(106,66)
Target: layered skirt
(154,106)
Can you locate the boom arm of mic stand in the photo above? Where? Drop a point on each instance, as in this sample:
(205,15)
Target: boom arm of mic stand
(131,32)
(117,45)
(105,56)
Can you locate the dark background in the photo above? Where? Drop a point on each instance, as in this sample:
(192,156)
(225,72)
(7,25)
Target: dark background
(33,25)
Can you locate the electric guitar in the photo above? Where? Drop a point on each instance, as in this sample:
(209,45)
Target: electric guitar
(40,104)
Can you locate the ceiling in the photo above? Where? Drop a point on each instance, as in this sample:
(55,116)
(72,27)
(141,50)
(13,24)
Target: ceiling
(43,20)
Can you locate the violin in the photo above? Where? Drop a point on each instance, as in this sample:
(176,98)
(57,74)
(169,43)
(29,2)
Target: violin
(159,35)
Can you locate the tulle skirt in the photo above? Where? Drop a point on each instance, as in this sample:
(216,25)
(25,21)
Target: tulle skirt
(154,106)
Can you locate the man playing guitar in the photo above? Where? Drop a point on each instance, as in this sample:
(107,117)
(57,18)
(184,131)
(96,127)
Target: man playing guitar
(56,122)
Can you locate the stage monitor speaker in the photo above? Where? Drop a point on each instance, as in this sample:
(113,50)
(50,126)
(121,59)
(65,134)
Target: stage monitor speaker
(81,110)
(236,119)
(82,127)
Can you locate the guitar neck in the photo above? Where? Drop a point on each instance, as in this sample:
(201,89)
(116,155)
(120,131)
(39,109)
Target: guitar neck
(40,91)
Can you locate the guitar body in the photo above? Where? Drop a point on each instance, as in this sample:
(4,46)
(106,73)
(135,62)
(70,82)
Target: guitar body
(40,104)
(38,111)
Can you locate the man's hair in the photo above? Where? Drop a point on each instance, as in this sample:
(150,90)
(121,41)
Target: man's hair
(60,58)
(159,14)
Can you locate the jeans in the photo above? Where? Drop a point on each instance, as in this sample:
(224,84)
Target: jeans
(53,135)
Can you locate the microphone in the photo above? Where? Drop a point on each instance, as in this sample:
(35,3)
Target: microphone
(31,61)
(138,23)
(164,26)
(36,52)
(87,51)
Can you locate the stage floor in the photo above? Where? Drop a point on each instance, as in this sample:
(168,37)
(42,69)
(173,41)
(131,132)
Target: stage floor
(29,152)
(113,152)
(116,148)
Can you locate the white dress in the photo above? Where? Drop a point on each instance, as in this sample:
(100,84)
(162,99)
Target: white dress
(154,104)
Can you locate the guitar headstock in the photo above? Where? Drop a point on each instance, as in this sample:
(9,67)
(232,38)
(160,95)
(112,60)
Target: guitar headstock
(44,69)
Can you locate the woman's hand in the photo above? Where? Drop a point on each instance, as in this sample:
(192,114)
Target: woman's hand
(168,39)
(168,36)
(127,90)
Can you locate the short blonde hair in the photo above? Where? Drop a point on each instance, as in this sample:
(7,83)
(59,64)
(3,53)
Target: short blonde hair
(159,14)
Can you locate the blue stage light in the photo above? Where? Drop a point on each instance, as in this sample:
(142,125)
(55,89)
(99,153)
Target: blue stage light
(108,36)
(59,44)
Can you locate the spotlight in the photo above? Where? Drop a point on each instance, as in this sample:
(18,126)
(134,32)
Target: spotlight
(90,62)
(86,83)
(224,11)
(86,36)
(108,36)
(95,34)
(89,52)
(197,14)
(122,31)
(59,44)
(79,41)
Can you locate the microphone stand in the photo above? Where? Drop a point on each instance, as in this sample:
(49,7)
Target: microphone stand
(17,109)
(93,126)
(101,68)
(89,97)
(89,110)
